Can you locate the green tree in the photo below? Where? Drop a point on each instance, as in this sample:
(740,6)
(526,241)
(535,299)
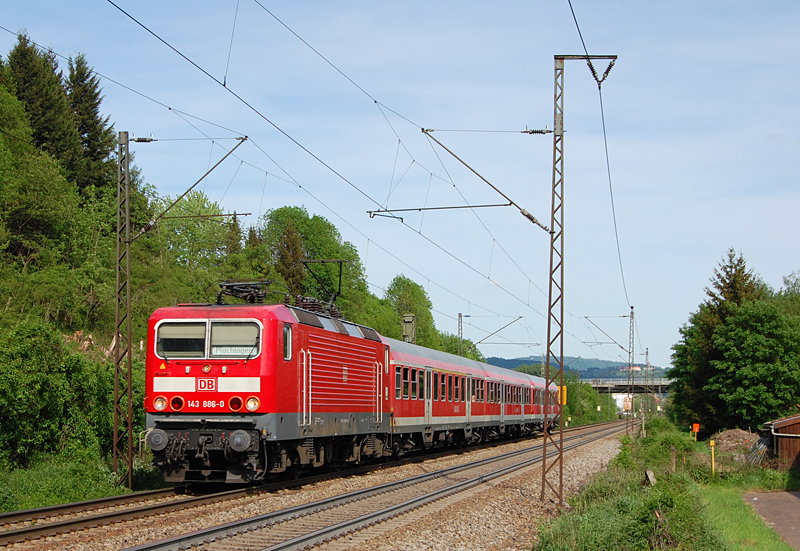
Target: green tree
(96,167)
(449,343)
(39,86)
(37,204)
(408,297)
(290,256)
(694,356)
(758,373)
(532,369)
(320,241)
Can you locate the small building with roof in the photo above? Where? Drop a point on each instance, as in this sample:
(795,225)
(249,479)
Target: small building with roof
(785,440)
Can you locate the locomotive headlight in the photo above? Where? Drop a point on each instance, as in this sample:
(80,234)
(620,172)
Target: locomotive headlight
(252,403)
(160,403)
(206,369)
(176,403)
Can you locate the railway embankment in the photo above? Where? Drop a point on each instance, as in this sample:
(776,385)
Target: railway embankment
(642,502)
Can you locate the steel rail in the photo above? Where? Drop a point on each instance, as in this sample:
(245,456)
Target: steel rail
(36,531)
(28,515)
(201,537)
(343,528)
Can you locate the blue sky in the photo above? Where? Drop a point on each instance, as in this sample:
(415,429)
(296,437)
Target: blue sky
(701,112)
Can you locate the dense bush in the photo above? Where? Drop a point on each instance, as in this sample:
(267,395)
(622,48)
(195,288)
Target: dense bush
(51,401)
(617,511)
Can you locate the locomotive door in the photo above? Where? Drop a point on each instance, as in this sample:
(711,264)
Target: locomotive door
(428,396)
(304,380)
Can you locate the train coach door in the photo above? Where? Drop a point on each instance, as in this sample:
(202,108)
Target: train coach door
(470,390)
(502,389)
(428,396)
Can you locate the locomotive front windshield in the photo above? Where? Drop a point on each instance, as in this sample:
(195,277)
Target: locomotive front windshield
(228,339)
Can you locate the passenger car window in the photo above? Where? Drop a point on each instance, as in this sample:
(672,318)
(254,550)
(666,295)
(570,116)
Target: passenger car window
(398,382)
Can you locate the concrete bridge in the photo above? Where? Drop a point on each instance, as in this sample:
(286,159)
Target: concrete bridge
(619,385)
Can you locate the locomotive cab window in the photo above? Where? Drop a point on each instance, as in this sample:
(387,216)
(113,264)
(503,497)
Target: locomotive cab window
(234,339)
(181,340)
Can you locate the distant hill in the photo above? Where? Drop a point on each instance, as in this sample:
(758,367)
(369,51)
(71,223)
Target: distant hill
(576,364)
(588,367)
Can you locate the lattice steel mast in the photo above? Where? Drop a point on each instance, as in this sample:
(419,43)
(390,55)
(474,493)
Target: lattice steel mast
(123,408)
(631,379)
(555,296)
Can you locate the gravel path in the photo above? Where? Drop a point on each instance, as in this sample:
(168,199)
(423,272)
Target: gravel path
(470,524)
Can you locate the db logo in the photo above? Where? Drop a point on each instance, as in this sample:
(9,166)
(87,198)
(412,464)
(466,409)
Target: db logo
(207,385)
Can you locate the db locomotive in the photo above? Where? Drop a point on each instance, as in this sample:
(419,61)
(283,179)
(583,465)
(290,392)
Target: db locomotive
(237,393)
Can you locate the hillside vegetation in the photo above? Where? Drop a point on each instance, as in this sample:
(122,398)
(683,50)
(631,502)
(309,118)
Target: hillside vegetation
(57,266)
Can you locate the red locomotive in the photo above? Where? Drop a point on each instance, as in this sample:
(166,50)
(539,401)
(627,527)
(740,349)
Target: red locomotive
(238,392)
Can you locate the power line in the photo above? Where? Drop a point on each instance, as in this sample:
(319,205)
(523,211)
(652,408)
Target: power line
(252,108)
(381,106)
(605,143)
(230,48)
(247,104)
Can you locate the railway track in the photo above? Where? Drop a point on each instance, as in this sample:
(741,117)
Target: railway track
(314,523)
(44,522)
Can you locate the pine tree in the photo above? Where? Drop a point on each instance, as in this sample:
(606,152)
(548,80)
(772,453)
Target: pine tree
(97,167)
(289,259)
(695,357)
(39,86)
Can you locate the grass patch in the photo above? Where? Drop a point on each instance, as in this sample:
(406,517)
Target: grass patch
(617,512)
(738,523)
(65,480)
(688,509)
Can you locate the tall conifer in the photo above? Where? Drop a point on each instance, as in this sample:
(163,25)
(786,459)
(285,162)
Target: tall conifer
(97,167)
(695,355)
(40,88)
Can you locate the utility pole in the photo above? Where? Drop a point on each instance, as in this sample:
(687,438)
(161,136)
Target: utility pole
(123,372)
(460,352)
(555,296)
(647,390)
(123,408)
(631,380)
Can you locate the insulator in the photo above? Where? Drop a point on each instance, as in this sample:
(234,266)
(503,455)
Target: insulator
(608,70)
(591,68)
